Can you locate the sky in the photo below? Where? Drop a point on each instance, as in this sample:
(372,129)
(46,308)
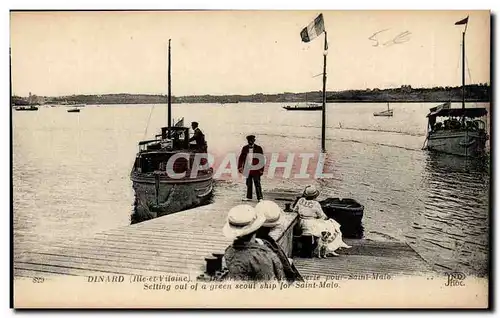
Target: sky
(242,52)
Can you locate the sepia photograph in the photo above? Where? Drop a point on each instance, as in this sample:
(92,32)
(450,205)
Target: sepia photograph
(250,159)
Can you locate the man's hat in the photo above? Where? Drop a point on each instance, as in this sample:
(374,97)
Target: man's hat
(250,137)
(194,123)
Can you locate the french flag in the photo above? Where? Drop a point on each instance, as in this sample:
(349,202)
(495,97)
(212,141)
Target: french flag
(314,29)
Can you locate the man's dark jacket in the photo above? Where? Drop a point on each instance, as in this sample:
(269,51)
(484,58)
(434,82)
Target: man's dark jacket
(243,159)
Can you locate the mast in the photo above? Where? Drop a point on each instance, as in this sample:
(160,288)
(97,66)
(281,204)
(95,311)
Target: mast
(169,91)
(463,70)
(323,111)
(10,78)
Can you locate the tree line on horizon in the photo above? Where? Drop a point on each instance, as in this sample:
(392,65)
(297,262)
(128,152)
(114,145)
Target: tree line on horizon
(405,93)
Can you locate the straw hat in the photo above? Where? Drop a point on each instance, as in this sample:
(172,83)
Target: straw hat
(271,211)
(242,220)
(311,192)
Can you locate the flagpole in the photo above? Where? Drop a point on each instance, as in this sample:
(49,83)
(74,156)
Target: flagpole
(169,91)
(323,112)
(463,69)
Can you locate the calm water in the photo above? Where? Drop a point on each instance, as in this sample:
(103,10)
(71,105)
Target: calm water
(71,171)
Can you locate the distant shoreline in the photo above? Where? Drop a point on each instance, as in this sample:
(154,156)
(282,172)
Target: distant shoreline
(404,94)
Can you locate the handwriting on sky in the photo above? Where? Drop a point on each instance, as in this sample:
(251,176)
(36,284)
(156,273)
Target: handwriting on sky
(385,38)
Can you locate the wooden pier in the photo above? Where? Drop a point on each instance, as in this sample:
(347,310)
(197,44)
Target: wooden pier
(179,243)
(367,258)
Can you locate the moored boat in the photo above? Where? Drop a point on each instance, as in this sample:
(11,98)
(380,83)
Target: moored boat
(169,174)
(307,107)
(387,113)
(461,133)
(26,108)
(31,105)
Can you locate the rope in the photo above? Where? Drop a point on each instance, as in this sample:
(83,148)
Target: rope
(470,76)
(149,119)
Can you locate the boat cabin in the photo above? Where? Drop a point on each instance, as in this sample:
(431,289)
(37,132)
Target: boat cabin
(456,119)
(154,154)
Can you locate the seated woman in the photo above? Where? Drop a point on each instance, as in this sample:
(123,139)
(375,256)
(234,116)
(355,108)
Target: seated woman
(245,258)
(272,213)
(313,220)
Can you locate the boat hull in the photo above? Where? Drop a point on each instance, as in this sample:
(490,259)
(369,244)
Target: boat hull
(384,114)
(304,108)
(348,213)
(27,109)
(460,143)
(159,196)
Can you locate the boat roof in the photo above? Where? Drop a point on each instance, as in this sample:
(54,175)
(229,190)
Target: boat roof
(459,112)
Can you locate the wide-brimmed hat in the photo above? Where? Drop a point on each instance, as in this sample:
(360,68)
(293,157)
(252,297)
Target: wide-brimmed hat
(271,211)
(311,192)
(242,220)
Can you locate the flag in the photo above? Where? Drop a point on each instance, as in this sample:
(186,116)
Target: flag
(314,29)
(464,21)
(179,123)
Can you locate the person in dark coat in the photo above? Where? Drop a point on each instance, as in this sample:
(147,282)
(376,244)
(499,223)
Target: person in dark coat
(246,258)
(272,213)
(198,137)
(255,152)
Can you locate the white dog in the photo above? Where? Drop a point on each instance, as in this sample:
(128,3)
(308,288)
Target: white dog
(337,241)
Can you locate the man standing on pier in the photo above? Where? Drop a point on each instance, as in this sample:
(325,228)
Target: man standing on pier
(248,161)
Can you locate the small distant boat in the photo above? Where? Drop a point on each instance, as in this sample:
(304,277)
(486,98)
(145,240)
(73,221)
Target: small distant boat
(387,113)
(75,108)
(27,108)
(307,107)
(30,107)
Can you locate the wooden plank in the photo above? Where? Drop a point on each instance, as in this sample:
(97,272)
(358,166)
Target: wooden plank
(136,249)
(186,238)
(367,257)
(21,271)
(57,269)
(107,265)
(366,268)
(130,250)
(127,256)
(120,257)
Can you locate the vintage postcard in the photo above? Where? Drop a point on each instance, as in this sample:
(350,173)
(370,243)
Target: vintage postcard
(250,159)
